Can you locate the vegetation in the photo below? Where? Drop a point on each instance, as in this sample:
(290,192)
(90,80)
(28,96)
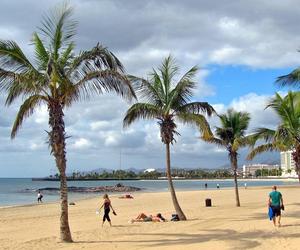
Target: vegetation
(123,174)
(57,78)
(163,101)
(267,172)
(286,136)
(231,135)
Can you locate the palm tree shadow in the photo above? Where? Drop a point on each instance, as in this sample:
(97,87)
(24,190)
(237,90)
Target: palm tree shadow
(239,240)
(290,225)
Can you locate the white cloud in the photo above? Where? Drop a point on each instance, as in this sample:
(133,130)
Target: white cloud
(81,143)
(98,125)
(226,54)
(41,115)
(112,139)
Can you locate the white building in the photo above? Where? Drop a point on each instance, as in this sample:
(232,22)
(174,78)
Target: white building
(249,170)
(287,164)
(149,170)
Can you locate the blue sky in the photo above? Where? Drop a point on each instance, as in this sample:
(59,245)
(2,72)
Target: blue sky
(230,82)
(241,48)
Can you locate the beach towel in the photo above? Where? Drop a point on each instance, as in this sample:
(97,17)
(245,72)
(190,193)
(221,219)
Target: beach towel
(271,213)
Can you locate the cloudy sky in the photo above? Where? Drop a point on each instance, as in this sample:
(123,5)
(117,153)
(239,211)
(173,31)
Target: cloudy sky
(240,46)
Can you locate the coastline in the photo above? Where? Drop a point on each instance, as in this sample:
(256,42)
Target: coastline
(143,191)
(165,179)
(19,197)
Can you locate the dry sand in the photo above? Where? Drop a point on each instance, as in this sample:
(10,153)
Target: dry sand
(222,226)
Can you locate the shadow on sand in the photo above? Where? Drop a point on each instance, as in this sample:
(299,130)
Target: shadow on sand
(238,240)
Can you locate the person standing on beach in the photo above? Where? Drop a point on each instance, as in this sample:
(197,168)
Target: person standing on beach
(276,203)
(107,206)
(205,185)
(218,185)
(39,197)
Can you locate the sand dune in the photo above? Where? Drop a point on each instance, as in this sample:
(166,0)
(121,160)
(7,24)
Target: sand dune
(222,226)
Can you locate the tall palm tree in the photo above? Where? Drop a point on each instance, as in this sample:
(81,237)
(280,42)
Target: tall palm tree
(231,135)
(57,78)
(287,134)
(166,100)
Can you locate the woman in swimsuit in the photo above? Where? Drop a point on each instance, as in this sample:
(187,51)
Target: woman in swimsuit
(144,218)
(107,206)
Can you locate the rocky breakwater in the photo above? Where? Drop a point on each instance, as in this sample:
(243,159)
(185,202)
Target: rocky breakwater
(101,189)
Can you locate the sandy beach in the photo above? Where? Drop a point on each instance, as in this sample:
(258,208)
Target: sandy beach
(222,226)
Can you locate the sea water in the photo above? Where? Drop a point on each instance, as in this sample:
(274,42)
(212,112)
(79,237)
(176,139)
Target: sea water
(21,191)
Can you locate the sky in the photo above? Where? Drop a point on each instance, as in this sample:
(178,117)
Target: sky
(241,48)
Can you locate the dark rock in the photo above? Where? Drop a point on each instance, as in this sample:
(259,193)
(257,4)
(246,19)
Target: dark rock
(72,203)
(101,189)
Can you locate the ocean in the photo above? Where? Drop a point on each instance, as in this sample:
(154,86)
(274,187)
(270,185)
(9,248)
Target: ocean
(20,191)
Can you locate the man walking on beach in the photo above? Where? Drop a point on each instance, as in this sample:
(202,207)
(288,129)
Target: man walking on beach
(276,203)
(39,197)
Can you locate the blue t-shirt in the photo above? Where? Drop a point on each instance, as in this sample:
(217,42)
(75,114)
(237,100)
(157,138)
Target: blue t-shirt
(275,197)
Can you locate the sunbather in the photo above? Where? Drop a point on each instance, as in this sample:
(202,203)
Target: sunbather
(144,218)
(126,196)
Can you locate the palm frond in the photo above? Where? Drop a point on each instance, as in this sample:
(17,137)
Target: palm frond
(240,142)
(238,122)
(158,83)
(26,109)
(197,107)
(13,59)
(214,140)
(262,133)
(41,54)
(66,55)
(291,79)
(168,70)
(6,79)
(285,108)
(266,147)
(16,85)
(145,90)
(141,111)
(105,81)
(98,58)
(59,28)
(195,119)
(185,87)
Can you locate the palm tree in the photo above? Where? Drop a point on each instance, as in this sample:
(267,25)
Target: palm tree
(231,135)
(164,101)
(287,134)
(57,78)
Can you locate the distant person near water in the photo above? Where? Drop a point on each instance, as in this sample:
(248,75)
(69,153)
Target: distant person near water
(218,186)
(205,185)
(245,185)
(107,206)
(276,204)
(39,197)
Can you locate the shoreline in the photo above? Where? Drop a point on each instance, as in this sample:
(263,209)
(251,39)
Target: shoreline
(150,192)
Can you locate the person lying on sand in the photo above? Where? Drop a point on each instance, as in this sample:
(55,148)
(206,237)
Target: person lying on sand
(144,218)
(126,196)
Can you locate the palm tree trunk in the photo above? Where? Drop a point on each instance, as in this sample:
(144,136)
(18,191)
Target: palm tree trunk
(172,190)
(233,159)
(296,158)
(57,141)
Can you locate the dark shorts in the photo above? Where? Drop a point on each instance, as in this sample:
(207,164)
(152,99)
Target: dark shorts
(276,210)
